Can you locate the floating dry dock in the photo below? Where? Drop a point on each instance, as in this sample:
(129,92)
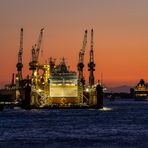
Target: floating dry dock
(56,86)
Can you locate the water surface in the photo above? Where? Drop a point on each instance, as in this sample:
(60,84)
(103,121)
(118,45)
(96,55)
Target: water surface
(120,124)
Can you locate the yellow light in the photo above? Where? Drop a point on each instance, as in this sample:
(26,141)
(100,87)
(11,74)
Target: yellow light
(87,90)
(35,73)
(39,90)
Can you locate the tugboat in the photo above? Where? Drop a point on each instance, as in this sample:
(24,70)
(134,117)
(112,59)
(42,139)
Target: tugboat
(140,91)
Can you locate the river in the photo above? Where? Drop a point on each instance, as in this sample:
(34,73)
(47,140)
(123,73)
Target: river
(122,123)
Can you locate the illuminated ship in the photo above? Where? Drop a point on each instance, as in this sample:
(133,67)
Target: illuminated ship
(57,86)
(63,85)
(140,91)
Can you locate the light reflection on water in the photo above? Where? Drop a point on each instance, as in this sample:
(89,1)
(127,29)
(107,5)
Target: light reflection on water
(118,124)
(105,109)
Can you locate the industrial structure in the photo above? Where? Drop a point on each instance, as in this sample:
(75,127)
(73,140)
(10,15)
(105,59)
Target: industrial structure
(91,63)
(56,86)
(80,65)
(20,52)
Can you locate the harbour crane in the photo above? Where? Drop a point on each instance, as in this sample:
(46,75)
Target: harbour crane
(91,64)
(37,47)
(34,64)
(80,65)
(35,52)
(20,52)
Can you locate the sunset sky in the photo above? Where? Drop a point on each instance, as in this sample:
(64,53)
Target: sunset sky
(120,36)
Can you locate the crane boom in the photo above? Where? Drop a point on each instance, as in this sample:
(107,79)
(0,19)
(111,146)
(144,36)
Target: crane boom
(34,64)
(39,44)
(91,47)
(82,51)
(20,52)
(36,48)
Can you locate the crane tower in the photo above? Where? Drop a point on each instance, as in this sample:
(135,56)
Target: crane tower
(35,52)
(91,64)
(20,52)
(34,64)
(80,65)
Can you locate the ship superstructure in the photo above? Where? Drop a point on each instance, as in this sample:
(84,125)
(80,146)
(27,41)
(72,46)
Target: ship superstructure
(140,91)
(58,87)
(63,86)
